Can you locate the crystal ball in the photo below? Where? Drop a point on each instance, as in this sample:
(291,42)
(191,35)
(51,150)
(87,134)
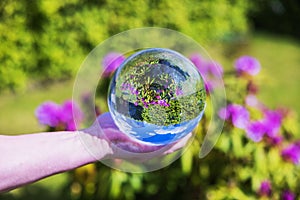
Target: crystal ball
(156,96)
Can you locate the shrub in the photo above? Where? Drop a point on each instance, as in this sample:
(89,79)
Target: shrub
(256,157)
(48,40)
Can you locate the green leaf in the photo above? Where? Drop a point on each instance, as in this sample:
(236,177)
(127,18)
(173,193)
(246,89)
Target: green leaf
(260,159)
(224,143)
(274,159)
(237,147)
(187,161)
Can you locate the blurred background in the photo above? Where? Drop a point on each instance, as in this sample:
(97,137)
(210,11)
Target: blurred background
(43,43)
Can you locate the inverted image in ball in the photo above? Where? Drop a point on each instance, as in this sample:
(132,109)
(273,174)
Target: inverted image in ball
(157,96)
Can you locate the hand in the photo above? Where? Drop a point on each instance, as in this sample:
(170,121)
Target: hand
(123,147)
(39,155)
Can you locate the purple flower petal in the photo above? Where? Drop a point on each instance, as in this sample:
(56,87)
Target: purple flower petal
(54,115)
(252,101)
(211,71)
(215,69)
(255,131)
(66,111)
(224,114)
(179,92)
(272,121)
(208,87)
(199,62)
(287,195)
(248,65)
(111,62)
(70,113)
(265,188)
(48,114)
(292,153)
(239,115)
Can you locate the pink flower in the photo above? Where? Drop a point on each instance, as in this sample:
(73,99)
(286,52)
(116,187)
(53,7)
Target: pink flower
(265,188)
(200,64)
(255,131)
(247,65)
(272,121)
(238,114)
(215,69)
(48,114)
(208,87)
(179,92)
(211,71)
(252,101)
(207,68)
(224,114)
(54,115)
(287,195)
(69,113)
(111,62)
(163,103)
(292,153)
(269,126)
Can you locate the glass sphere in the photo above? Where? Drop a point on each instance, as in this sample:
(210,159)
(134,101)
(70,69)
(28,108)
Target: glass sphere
(156,96)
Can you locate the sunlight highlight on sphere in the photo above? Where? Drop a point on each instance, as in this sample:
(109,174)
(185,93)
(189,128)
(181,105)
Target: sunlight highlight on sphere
(156,96)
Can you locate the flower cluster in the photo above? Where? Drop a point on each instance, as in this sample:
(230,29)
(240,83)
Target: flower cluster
(261,128)
(211,71)
(111,62)
(269,125)
(157,101)
(292,153)
(128,86)
(287,195)
(237,113)
(265,188)
(59,117)
(265,127)
(146,102)
(247,65)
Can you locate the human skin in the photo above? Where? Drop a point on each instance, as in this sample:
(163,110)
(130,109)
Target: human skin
(27,158)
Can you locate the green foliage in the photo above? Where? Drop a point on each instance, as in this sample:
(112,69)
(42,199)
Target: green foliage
(227,172)
(48,40)
(181,110)
(234,169)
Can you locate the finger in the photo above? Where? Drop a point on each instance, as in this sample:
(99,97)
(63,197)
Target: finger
(120,140)
(179,145)
(105,120)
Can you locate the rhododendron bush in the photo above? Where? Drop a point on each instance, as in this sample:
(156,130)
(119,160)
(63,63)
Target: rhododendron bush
(257,155)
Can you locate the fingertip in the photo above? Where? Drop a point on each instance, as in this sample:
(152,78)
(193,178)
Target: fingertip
(106,121)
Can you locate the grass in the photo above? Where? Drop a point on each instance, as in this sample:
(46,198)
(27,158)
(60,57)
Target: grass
(280,60)
(17,110)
